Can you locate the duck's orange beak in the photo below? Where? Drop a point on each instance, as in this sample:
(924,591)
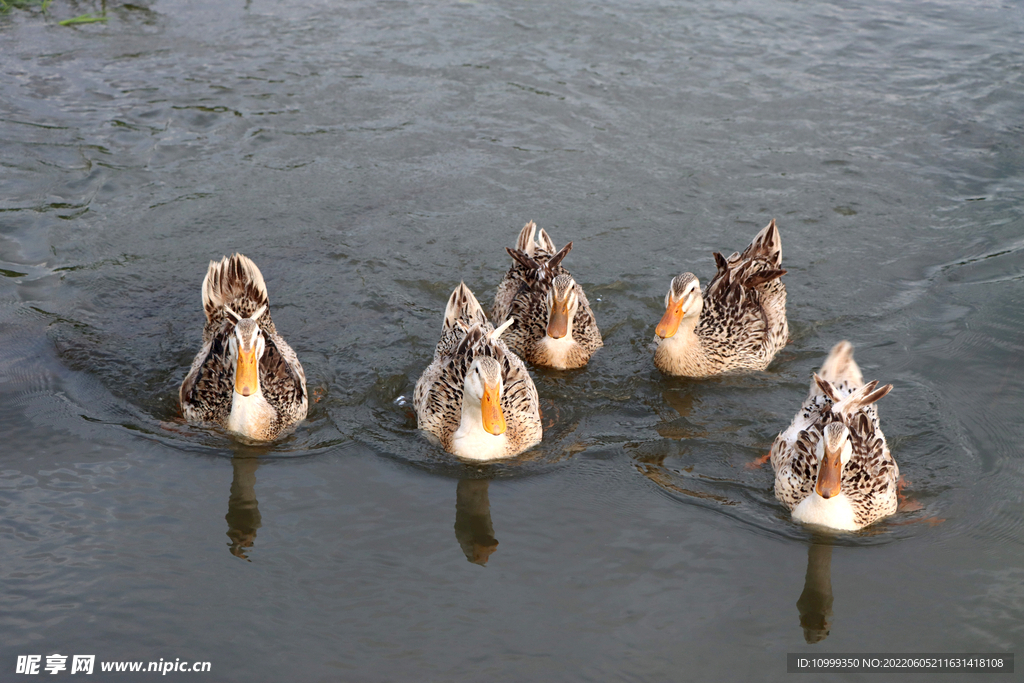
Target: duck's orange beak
(829,475)
(558,321)
(490,406)
(246,372)
(670,321)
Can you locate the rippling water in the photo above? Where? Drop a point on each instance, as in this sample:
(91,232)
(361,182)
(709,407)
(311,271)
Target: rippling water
(370,155)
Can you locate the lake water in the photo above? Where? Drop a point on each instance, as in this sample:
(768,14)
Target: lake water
(369,155)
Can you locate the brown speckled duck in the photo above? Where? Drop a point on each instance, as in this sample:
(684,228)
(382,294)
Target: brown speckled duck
(554,324)
(832,466)
(245,377)
(737,324)
(476,397)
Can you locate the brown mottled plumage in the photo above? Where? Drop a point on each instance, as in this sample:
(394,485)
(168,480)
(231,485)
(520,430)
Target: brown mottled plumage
(238,316)
(839,409)
(737,324)
(554,324)
(470,354)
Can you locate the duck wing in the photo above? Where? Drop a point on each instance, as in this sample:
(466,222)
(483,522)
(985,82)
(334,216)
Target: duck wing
(745,303)
(205,394)
(282,379)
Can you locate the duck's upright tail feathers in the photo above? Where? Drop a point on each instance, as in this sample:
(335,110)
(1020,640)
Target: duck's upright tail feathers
(524,243)
(766,246)
(759,264)
(234,283)
(840,366)
(463,306)
(527,243)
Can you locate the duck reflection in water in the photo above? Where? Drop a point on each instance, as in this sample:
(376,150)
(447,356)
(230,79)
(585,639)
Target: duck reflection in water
(815,603)
(473,527)
(243,516)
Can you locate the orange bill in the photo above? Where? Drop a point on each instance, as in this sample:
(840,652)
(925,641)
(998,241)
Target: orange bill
(829,475)
(246,372)
(670,321)
(490,406)
(558,322)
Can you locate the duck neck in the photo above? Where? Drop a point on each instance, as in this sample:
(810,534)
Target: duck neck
(251,415)
(471,440)
(835,512)
(683,353)
(561,354)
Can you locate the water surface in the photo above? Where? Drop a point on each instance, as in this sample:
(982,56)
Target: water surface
(370,155)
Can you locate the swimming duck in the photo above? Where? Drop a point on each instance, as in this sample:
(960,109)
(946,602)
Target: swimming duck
(245,377)
(737,324)
(476,397)
(554,325)
(832,466)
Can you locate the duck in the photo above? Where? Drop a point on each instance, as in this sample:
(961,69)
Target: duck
(245,378)
(832,465)
(476,398)
(737,324)
(554,324)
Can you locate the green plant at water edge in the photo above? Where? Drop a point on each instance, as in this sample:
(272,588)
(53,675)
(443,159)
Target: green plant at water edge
(82,19)
(7,5)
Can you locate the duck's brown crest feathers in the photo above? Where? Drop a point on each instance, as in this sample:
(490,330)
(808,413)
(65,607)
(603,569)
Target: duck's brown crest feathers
(862,398)
(758,279)
(522,258)
(537,269)
(477,342)
(826,388)
(233,282)
(855,402)
(556,260)
(721,263)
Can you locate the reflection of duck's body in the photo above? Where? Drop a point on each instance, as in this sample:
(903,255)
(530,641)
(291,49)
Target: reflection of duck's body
(737,324)
(554,325)
(815,603)
(243,515)
(473,527)
(245,377)
(832,466)
(476,397)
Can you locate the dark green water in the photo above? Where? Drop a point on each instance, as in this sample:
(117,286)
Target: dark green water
(368,156)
